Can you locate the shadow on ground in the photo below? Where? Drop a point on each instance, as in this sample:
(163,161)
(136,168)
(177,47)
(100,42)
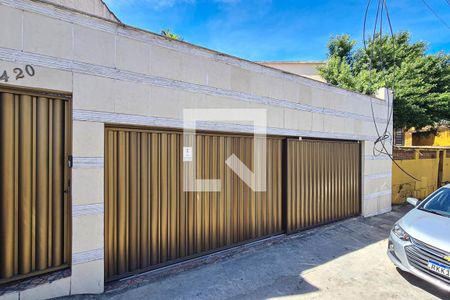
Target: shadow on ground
(423,285)
(319,263)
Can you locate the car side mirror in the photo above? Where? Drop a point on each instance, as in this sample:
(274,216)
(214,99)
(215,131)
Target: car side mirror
(412,201)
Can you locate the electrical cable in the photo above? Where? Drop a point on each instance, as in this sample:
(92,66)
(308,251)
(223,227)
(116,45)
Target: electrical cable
(385,136)
(436,14)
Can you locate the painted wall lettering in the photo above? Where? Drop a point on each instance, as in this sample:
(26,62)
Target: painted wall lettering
(18,73)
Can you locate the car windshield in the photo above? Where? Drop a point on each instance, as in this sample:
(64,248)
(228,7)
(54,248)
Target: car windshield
(438,203)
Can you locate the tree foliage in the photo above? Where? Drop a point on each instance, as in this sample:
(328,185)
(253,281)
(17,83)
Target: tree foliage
(421,82)
(170,34)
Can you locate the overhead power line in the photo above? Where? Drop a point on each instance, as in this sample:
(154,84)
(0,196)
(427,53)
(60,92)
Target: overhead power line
(383,135)
(436,14)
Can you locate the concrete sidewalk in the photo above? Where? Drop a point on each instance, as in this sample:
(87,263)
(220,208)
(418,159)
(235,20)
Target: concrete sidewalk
(345,260)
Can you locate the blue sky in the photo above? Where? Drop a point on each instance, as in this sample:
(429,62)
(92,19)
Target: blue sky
(279,29)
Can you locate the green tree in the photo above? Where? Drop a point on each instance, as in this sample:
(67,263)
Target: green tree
(421,82)
(169,34)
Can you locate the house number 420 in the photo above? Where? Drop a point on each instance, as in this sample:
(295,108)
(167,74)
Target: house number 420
(19,73)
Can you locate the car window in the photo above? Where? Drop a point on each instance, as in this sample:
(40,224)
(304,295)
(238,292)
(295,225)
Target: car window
(439,202)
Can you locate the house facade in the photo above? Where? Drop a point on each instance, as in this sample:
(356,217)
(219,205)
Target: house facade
(93,151)
(308,69)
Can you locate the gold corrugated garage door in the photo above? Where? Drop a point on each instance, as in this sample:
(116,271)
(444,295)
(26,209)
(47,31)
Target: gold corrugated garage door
(323,182)
(150,221)
(34,208)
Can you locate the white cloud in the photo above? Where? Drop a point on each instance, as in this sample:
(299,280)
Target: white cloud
(162,4)
(155,4)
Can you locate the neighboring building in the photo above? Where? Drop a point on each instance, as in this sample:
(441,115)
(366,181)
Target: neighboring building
(399,137)
(93,7)
(439,137)
(425,155)
(303,68)
(428,136)
(92,153)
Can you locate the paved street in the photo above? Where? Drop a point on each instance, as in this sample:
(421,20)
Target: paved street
(345,260)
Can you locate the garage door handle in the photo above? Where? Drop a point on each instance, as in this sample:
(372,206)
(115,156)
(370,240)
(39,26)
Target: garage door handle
(70,161)
(67,190)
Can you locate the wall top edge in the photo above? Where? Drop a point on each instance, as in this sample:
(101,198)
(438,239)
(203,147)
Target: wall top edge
(28,5)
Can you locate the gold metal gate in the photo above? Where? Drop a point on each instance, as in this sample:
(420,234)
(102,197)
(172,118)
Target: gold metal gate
(34,178)
(323,182)
(150,221)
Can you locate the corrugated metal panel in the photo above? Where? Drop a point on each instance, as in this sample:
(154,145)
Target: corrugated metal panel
(150,221)
(323,182)
(34,209)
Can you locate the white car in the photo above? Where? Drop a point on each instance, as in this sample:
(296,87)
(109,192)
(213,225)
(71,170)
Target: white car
(419,243)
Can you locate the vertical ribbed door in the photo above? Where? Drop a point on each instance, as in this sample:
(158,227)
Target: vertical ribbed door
(150,221)
(323,182)
(34,210)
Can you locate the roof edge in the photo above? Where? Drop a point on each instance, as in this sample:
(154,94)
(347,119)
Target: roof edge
(111,12)
(292,62)
(119,23)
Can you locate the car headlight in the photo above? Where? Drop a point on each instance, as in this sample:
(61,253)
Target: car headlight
(400,233)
